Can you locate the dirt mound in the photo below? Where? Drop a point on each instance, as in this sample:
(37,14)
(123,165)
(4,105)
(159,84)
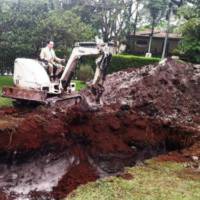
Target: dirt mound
(170,91)
(146,113)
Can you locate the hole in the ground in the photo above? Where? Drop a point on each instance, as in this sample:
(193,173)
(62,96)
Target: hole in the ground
(53,175)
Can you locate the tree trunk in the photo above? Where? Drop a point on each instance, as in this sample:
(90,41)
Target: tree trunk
(151,36)
(167,32)
(136,18)
(135,23)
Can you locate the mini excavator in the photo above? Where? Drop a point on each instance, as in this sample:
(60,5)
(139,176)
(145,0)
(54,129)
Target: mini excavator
(32,82)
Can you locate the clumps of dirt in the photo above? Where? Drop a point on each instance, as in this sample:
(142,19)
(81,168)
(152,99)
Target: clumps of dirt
(193,150)
(170,91)
(7,110)
(173,156)
(3,196)
(126,176)
(190,174)
(31,133)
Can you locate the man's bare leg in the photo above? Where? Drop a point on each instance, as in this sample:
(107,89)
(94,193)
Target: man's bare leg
(51,71)
(59,71)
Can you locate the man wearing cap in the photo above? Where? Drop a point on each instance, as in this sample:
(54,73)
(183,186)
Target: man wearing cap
(49,57)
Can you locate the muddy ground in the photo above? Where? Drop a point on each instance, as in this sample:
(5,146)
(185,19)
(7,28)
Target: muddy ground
(46,153)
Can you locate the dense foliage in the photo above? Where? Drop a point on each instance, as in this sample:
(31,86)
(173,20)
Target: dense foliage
(190,45)
(120,62)
(26,26)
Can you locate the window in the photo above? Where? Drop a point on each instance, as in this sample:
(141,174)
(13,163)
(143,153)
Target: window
(141,43)
(68,2)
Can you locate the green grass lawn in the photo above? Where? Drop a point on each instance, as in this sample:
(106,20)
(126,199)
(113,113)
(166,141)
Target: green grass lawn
(79,85)
(153,181)
(5,81)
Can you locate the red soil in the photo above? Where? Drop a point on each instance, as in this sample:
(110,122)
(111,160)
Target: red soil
(78,175)
(3,196)
(126,176)
(172,156)
(100,136)
(160,99)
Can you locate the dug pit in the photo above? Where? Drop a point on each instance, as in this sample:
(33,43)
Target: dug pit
(51,154)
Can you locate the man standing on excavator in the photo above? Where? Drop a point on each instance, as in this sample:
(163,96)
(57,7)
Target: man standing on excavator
(49,57)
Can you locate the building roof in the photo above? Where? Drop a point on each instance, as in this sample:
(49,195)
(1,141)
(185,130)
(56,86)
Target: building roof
(157,34)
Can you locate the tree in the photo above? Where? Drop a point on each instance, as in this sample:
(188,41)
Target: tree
(172,8)
(108,17)
(112,19)
(65,28)
(138,2)
(190,44)
(168,16)
(157,10)
(25,25)
(135,23)
(18,23)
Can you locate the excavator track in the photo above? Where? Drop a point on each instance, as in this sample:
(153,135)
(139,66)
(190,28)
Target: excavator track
(32,99)
(70,99)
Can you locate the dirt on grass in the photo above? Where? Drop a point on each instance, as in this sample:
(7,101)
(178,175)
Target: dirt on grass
(148,112)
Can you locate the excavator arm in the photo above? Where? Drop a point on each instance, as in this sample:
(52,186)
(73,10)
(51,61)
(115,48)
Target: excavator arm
(86,49)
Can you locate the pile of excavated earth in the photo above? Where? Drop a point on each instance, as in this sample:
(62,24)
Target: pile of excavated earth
(47,152)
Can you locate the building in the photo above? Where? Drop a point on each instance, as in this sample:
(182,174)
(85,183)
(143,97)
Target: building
(139,44)
(67,4)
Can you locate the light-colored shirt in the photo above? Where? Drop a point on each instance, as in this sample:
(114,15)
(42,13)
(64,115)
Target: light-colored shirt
(49,55)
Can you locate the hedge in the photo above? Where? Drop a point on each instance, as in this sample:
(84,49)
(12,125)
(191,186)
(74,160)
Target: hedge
(120,62)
